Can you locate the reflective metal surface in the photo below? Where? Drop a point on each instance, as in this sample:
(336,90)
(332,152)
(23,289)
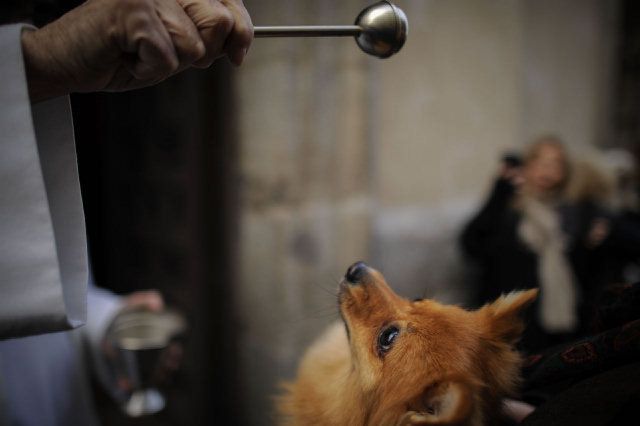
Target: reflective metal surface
(135,344)
(380,30)
(140,329)
(384,29)
(308,31)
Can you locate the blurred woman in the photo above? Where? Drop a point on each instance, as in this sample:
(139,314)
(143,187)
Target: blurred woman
(528,235)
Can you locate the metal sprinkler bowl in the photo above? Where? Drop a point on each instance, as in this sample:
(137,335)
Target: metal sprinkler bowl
(380,30)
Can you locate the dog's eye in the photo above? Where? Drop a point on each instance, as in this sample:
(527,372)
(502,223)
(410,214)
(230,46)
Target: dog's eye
(386,339)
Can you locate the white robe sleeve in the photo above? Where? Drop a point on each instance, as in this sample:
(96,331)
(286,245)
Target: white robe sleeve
(43,254)
(103,308)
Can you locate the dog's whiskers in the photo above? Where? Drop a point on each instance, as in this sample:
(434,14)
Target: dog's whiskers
(320,313)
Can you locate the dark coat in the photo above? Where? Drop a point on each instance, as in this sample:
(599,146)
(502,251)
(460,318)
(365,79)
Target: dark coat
(491,241)
(594,381)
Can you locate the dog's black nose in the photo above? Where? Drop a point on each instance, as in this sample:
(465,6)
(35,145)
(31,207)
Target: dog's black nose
(356,272)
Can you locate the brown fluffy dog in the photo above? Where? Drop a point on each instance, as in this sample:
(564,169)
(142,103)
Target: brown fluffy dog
(407,363)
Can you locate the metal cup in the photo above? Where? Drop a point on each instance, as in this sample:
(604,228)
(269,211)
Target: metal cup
(138,340)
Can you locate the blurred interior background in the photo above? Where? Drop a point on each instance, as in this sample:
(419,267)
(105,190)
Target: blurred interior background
(244,193)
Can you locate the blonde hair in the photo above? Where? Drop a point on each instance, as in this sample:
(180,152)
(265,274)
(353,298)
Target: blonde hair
(589,182)
(533,151)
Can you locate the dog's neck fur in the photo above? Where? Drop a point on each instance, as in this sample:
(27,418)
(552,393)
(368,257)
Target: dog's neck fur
(331,357)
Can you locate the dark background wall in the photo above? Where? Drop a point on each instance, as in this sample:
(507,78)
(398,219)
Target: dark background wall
(627,118)
(156,169)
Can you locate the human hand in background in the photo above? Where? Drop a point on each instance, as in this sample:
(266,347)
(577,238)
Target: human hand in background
(117,45)
(511,170)
(147,299)
(517,410)
(598,232)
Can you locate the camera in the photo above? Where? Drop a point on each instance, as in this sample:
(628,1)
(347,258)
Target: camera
(512,160)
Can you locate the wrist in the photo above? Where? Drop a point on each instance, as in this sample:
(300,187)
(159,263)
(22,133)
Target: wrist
(43,79)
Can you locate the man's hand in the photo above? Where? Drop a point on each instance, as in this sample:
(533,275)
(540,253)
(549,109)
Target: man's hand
(117,45)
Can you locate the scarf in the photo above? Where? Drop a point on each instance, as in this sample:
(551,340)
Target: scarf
(541,231)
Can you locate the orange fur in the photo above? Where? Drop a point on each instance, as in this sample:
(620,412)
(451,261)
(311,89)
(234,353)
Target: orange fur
(447,366)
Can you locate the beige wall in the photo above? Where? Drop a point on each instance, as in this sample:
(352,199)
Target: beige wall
(346,157)
(569,55)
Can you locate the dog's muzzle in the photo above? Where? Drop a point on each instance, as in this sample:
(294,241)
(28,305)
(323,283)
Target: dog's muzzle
(356,273)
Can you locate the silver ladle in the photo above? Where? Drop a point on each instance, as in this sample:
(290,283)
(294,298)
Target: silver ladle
(380,30)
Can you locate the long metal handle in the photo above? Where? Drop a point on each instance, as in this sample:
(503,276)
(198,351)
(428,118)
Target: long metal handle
(308,31)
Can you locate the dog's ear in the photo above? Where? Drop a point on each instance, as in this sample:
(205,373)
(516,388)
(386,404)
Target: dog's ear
(445,403)
(504,316)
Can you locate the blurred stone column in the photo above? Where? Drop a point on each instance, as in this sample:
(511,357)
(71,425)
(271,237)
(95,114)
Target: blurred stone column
(305,196)
(570,51)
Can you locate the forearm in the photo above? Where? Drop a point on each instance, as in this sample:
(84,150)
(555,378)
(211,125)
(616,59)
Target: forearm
(42,79)
(74,53)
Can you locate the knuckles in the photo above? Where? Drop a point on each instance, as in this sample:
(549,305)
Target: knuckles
(133,23)
(245,35)
(225,21)
(127,7)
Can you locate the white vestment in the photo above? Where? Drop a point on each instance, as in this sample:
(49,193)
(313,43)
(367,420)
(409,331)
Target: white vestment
(43,259)
(43,251)
(44,380)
